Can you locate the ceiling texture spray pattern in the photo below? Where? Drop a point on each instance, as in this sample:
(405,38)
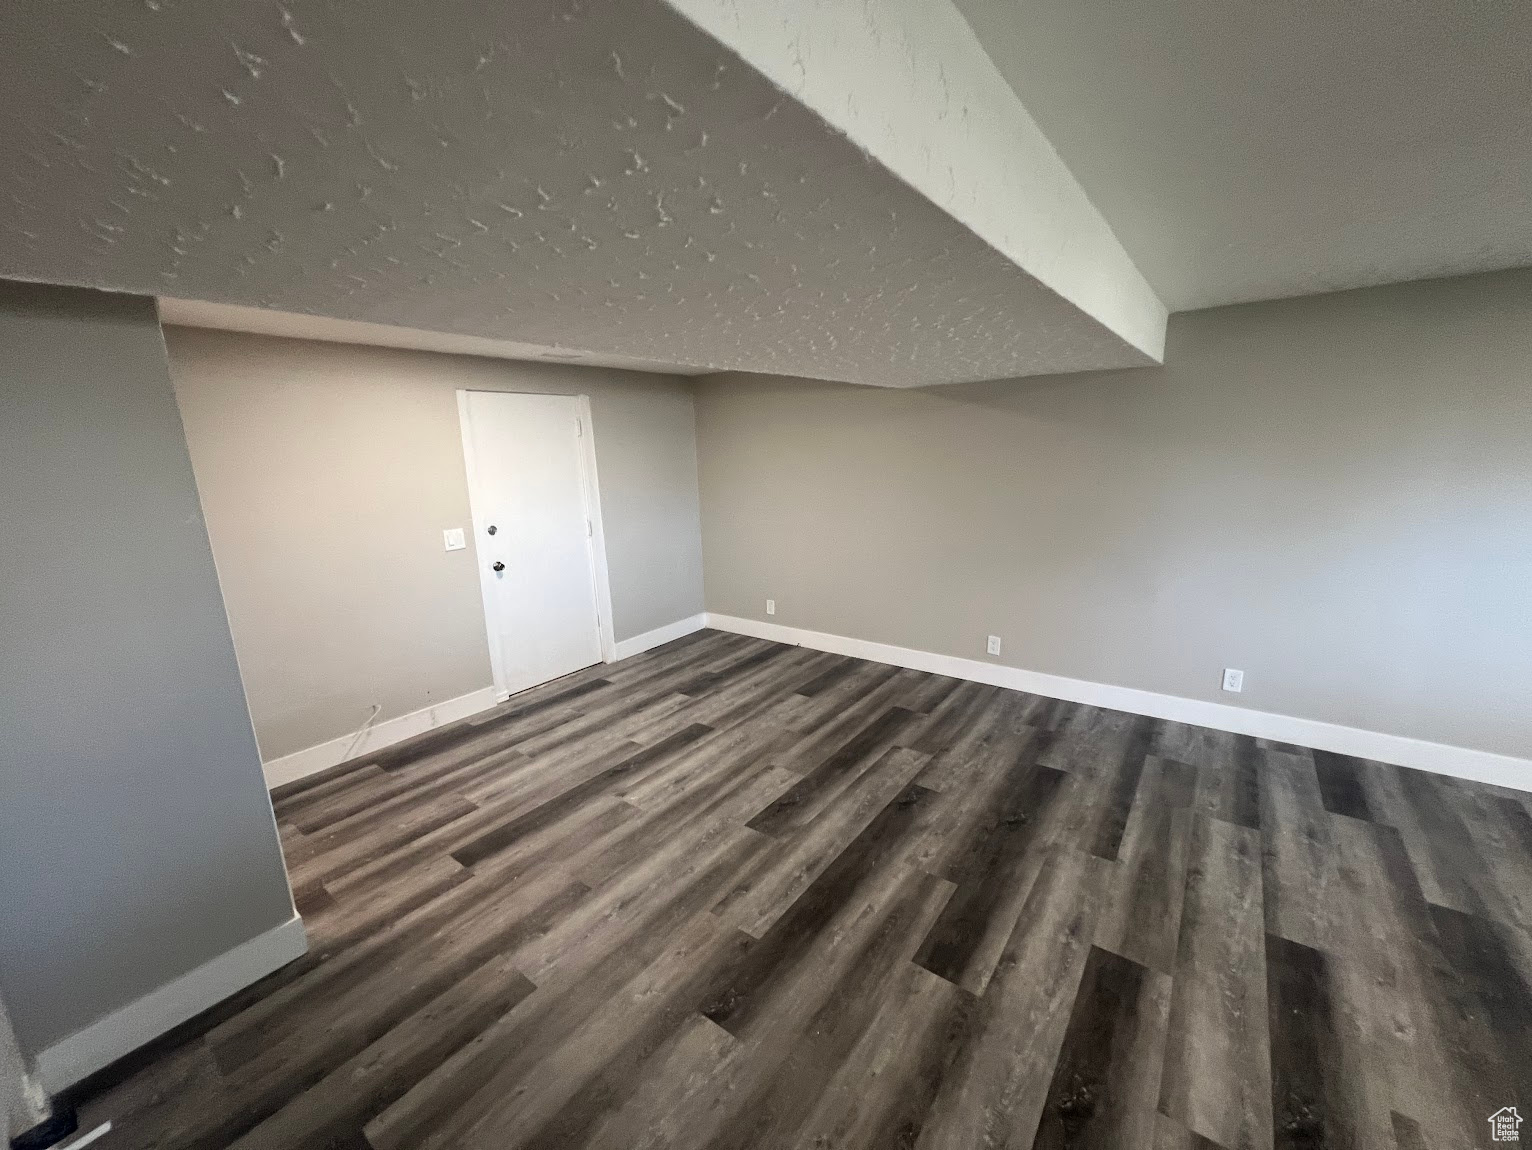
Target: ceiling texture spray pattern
(589,177)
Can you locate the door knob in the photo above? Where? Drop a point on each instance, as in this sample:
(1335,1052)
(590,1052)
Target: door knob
(498,567)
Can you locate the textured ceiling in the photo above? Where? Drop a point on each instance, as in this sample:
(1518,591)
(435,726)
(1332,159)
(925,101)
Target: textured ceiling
(909,82)
(293,325)
(1246,150)
(585,177)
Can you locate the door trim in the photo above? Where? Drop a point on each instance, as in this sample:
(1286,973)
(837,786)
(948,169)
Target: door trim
(590,480)
(595,540)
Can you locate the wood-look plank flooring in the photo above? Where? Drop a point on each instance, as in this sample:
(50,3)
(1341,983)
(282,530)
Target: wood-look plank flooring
(735,894)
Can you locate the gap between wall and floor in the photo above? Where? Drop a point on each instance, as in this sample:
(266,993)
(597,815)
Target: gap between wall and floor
(1440,758)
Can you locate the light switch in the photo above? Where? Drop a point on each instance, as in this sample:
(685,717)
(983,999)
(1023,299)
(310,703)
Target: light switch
(453,538)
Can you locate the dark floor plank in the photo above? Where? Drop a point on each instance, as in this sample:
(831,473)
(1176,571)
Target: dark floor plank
(348,1096)
(966,713)
(996,740)
(778,876)
(738,997)
(827,678)
(1168,783)
(365,1005)
(826,779)
(405,826)
(1197,746)
(341,779)
(1108,759)
(1143,894)
(498,838)
(1296,850)
(579,1081)
(578,967)
(966,941)
(668,1082)
(928,692)
(1106,1082)
(1341,784)
(1382,961)
(792,1053)
(1217,1078)
(1157,935)
(1307,1076)
(1123,786)
(1003,1050)
(883,1089)
(1486,1009)
(1245,778)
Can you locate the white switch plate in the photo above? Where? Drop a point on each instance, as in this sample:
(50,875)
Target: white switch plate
(453,538)
(993,646)
(1233,680)
(771,606)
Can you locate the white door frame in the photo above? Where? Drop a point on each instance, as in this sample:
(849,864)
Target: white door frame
(590,491)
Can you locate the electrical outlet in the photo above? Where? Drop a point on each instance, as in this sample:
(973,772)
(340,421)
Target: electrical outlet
(1233,680)
(771,606)
(453,538)
(993,646)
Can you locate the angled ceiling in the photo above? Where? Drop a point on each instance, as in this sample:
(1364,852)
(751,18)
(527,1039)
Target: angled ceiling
(900,193)
(1246,150)
(597,179)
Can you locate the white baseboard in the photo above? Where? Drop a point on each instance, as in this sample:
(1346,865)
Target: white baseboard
(1460,762)
(311,760)
(660,635)
(103,1042)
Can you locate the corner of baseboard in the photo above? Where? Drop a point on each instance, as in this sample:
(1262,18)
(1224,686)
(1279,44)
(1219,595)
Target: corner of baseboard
(331,753)
(104,1041)
(1400,750)
(669,633)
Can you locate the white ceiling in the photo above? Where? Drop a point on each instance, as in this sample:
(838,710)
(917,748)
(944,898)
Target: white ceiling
(599,178)
(1244,150)
(909,82)
(874,196)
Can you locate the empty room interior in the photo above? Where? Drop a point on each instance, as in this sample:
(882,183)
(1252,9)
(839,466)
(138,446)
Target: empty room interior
(925,575)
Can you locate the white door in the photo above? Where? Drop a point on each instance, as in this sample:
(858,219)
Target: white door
(531,485)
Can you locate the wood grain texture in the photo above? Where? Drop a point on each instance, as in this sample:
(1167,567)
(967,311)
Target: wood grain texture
(733,894)
(1217,1076)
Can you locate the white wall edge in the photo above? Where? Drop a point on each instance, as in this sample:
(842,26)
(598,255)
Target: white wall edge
(310,760)
(1440,758)
(103,1042)
(669,633)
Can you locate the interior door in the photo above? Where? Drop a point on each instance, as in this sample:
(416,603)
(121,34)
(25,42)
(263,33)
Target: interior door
(532,510)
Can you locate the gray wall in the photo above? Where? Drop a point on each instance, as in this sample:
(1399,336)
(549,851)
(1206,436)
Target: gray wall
(1333,494)
(136,836)
(328,472)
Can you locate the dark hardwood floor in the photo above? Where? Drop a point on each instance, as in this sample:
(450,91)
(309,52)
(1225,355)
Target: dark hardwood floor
(735,894)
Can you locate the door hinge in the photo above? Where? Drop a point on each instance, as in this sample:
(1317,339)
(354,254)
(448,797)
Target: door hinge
(590,532)
(579,428)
